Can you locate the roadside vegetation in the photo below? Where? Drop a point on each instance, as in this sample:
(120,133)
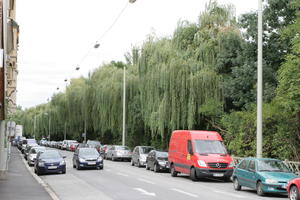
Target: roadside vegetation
(202,77)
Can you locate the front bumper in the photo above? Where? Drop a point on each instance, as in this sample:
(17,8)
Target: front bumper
(215,173)
(91,164)
(49,170)
(274,188)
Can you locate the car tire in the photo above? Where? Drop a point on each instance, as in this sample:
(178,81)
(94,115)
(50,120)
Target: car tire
(155,168)
(131,162)
(259,189)
(38,173)
(236,184)
(193,175)
(78,167)
(138,164)
(113,158)
(63,172)
(173,171)
(147,166)
(294,193)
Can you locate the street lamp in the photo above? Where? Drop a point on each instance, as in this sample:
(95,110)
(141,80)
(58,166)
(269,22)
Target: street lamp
(49,125)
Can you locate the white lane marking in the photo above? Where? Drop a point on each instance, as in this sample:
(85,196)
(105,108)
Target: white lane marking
(186,193)
(120,174)
(146,181)
(228,193)
(144,192)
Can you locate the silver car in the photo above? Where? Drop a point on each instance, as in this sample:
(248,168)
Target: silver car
(32,154)
(139,155)
(117,152)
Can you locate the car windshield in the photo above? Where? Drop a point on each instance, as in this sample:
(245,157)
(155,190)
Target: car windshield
(272,165)
(50,155)
(88,151)
(146,149)
(36,150)
(161,154)
(209,147)
(122,148)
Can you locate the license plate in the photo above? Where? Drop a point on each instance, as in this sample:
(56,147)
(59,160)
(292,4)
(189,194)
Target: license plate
(218,175)
(52,167)
(91,163)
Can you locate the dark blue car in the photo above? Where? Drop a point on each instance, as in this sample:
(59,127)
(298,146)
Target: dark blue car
(87,158)
(49,161)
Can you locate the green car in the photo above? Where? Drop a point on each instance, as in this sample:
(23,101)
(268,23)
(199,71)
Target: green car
(263,174)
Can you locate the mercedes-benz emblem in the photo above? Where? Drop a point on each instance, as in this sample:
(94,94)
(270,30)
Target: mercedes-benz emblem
(218,165)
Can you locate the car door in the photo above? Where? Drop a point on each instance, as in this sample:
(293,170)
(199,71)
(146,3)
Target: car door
(240,171)
(250,177)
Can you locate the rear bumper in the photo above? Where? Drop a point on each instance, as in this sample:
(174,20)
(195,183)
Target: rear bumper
(86,165)
(215,173)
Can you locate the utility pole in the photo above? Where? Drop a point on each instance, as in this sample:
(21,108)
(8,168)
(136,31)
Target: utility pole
(124,104)
(259,135)
(34,126)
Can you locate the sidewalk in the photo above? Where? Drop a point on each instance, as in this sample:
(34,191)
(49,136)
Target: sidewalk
(20,185)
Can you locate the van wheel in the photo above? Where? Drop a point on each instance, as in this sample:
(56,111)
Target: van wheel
(173,171)
(236,184)
(193,175)
(259,189)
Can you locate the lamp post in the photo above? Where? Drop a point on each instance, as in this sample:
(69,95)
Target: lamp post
(65,132)
(49,125)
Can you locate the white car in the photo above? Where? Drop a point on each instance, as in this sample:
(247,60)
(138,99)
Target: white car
(32,154)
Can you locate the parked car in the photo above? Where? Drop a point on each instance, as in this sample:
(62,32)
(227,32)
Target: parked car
(293,189)
(33,153)
(87,158)
(73,146)
(66,143)
(20,143)
(27,149)
(27,141)
(94,144)
(157,161)
(265,175)
(139,155)
(104,150)
(49,161)
(118,152)
(199,154)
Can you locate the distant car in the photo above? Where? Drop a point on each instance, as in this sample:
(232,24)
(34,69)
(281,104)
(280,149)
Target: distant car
(293,189)
(105,149)
(117,152)
(157,161)
(263,174)
(33,153)
(94,144)
(139,155)
(73,146)
(49,161)
(27,141)
(65,144)
(87,158)
(27,149)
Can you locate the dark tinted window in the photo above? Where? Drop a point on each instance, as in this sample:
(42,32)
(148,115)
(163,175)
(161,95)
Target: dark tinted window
(146,149)
(210,147)
(243,164)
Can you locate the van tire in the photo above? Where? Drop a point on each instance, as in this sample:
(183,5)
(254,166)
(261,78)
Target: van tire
(173,171)
(193,175)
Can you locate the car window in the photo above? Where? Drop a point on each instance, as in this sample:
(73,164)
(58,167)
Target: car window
(243,164)
(272,165)
(33,151)
(252,165)
(146,149)
(88,151)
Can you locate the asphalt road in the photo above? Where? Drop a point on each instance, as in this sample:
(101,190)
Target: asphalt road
(121,181)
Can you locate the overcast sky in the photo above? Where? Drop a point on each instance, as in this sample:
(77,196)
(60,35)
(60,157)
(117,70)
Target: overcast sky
(56,34)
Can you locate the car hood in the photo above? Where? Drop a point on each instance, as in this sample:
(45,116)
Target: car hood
(89,157)
(280,176)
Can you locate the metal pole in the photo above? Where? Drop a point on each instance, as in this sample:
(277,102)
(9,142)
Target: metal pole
(259,83)
(124,103)
(65,135)
(49,127)
(34,126)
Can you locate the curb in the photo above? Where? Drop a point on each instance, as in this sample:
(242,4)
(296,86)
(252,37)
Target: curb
(48,189)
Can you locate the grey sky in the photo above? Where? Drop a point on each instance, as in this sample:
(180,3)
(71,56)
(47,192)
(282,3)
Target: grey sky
(56,34)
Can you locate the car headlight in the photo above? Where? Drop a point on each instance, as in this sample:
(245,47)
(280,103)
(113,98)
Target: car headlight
(81,160)
(41,164)
(271,181)
(100,159)
(202,163)
(231,164)
(162,162)
(62,162)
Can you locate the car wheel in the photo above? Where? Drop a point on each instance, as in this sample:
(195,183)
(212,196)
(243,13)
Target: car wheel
(78,167)
(155,168)
(173,171)
(113,158)
(236,184)
(147,166)
(259,189)
(131,162)
(294,193)
(193,175)
(38,172)
(138,164)
(63,172)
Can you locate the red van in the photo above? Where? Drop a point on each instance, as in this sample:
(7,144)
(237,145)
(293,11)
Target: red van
(199,154)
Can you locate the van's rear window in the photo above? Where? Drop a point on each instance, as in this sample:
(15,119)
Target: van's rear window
(209,147)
